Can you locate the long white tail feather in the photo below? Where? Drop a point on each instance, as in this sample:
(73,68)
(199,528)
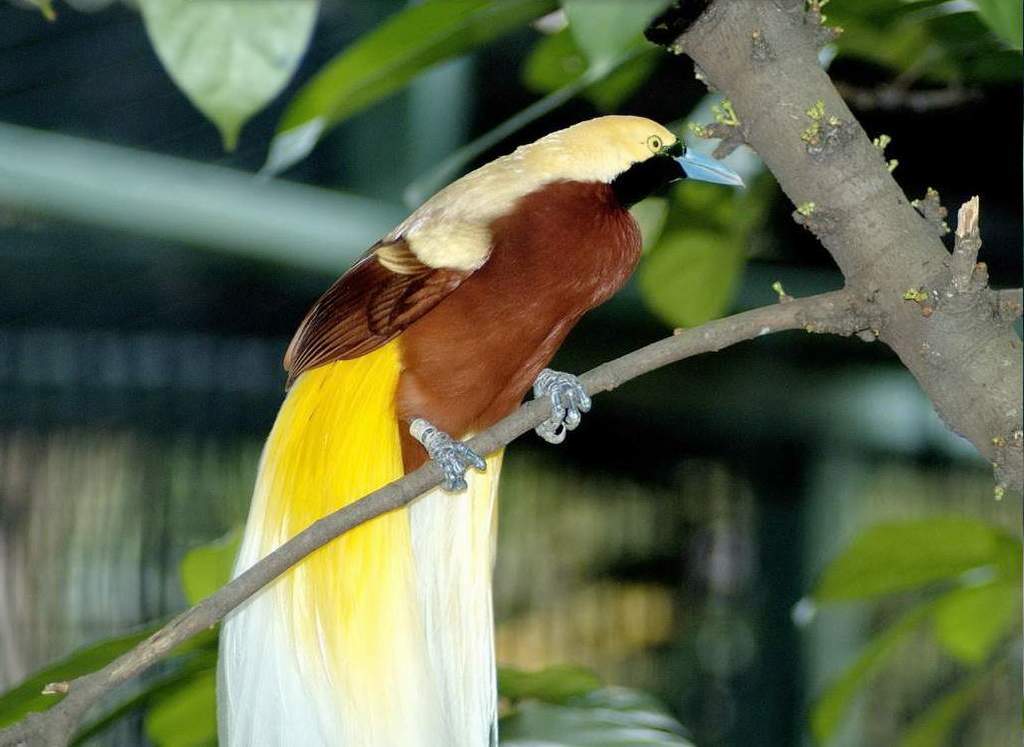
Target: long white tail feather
(272,693)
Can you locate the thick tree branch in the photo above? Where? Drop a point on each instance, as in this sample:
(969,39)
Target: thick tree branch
(839,312)
(935,310)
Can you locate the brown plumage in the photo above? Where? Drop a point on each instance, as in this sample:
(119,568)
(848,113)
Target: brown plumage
(482,307)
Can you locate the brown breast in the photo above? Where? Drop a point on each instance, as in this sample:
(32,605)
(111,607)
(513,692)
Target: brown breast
(468,362)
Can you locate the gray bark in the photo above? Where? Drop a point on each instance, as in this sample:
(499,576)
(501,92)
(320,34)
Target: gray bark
(952,334)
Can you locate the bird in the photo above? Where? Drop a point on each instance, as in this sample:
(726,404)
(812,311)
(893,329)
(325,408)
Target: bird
(384,637)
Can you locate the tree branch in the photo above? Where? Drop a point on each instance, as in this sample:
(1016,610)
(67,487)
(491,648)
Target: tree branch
(839,312)
(934,311)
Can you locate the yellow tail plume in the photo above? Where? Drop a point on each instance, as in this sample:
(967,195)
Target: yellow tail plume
(384,636)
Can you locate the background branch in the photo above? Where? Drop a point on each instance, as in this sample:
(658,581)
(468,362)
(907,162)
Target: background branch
(838,312)
(764,57)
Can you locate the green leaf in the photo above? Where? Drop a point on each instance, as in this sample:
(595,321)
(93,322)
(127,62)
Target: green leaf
(27,696)
(1005,18)
(971,621)
(230,57)
(950,47)
(187,716)
(690,276)
(829,709)
(605,29)
(384,60)
(612,717)
(182,670)
(206,568)
(651,215)
(692,272)
(932,728)
(894,557)
(46,8)
(552,685)
(556,61)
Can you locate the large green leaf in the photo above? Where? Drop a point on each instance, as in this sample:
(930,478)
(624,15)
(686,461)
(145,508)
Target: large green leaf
(206,568)
(894,557)
(971,621)
(552,685)
(829,709)
(387,58)
(611,717)
(230,57)
(186,716)
(1005,18)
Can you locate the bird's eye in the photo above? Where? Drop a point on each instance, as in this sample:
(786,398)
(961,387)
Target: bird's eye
(654,143)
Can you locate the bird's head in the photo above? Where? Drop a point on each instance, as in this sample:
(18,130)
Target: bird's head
(635,155)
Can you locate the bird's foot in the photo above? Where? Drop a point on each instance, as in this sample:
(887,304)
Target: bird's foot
(568,401)
(453,457)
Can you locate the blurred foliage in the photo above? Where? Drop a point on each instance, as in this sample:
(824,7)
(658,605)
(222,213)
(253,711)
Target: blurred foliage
(230,58)
(933,40)
(606,69)
(692,272)
(608,717)
(966,579)
(557,61)
(386,59)
(564,705)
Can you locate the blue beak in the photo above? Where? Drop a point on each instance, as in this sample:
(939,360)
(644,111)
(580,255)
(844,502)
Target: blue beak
(707,169)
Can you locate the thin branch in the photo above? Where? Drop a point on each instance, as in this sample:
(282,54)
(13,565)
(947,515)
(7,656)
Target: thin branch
(891,97)
(838,312)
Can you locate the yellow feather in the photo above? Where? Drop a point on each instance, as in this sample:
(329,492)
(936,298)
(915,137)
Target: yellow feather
(395,652)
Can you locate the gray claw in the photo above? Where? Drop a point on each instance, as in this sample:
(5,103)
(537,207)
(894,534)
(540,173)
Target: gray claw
(453,457)
(568,401)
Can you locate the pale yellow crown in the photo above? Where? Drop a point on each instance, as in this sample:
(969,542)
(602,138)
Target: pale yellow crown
(451,229)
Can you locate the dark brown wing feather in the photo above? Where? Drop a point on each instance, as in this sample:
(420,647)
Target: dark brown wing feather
(368,306)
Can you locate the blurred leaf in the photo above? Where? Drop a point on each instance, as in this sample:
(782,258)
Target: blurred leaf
(651,215)
(1005,18)
(27,696)
(206,568)
(229,57)
(692,272)
(829,709)
(971,621)
(896,557)
(925,39)
(611,717)
(182,670)
(387,58)
(556,61)
(187,716)
(46,8)
(552,685)
(933,727)
(690,276)
(605,29)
